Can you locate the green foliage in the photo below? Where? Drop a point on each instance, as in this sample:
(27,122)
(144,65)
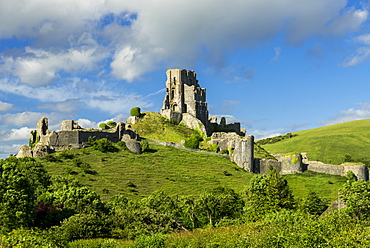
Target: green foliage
(104,145)
(347,158)
(135,111)
(193,141)
(34,139)
(268,193)
(111,124)
(144,144)
(103,126)
(122,145)
(85,226)
(22,180)
(356,195)
(93,243)
(312,204)
(261,153)
(29,238)
(155,240)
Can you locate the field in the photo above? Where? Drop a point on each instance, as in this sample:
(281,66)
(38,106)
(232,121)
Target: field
(330,144)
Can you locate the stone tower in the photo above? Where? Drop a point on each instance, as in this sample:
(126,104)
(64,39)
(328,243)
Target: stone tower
(184,96)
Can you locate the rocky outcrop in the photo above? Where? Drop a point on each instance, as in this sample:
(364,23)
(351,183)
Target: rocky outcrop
(24,151)
(132,120)
(40,150)
(133,146)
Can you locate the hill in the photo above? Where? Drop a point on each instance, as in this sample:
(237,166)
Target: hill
(173,170)
(334,144)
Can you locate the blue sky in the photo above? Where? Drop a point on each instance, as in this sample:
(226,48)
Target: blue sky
(275,66)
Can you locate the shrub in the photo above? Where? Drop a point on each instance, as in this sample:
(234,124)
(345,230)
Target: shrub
(144,144)
(121,144)
(135,112)
(103,126)
(192,141)
(111,123)
(85,226)
(103,145)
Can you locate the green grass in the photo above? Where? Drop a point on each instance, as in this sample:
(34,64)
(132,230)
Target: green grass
(329,144)
(173,170)
(153,126)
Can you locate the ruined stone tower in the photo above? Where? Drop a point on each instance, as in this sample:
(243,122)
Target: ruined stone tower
(185,99)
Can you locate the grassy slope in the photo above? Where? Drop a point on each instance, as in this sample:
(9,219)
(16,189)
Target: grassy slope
(329,144)
(153,126)
(174,171)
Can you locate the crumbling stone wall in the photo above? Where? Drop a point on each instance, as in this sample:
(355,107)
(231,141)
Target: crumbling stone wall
(243,154)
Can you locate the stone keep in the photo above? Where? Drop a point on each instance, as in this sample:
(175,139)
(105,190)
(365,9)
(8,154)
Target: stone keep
(184,97)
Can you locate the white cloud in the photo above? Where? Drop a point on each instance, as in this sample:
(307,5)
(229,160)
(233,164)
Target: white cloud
(142,37)
(6,150)
(76,93)
(362,53)
(40,67)
(29,119)
(277,51)
(4,106)
(351,114)
(16,135)
(85,123)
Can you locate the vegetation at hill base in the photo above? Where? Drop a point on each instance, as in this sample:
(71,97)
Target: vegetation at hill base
(335,144)
(56,211)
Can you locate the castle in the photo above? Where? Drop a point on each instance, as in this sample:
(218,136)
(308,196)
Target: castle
(184,102)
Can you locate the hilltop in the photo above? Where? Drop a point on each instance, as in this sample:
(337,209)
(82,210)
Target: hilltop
(334,144)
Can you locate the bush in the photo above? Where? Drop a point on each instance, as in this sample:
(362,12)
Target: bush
(103,126)
(103,145)
(135,112)
(121,144)
(85,226)
(144,145)
(193,141)
(111,123)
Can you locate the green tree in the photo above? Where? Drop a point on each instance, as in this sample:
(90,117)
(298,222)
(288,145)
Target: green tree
(312,204)
(22,180)
(268,193)
(135,112)
(356,195)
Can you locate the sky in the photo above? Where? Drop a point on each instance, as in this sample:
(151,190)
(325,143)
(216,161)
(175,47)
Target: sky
(275,66)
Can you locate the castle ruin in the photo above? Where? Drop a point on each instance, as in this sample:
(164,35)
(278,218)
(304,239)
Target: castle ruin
(185,101)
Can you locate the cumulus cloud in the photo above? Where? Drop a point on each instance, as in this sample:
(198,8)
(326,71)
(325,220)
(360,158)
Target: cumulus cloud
(135,38)
(351,114)
(39,67)
(16,135)
(6,150)
(29,119)
(4,106)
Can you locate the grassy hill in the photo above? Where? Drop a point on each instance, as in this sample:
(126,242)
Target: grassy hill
(173,170)
(329,144)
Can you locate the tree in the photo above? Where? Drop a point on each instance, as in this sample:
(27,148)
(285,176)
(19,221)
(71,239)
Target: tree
(356,195)
(22,180)
(268,193)
(135,112)
(312,204)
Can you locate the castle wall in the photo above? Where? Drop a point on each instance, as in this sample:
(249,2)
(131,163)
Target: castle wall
(360,171)
(262,166)
(83,136)
(243,154)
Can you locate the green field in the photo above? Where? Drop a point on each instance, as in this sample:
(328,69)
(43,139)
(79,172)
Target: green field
(173,170)
(330,144)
